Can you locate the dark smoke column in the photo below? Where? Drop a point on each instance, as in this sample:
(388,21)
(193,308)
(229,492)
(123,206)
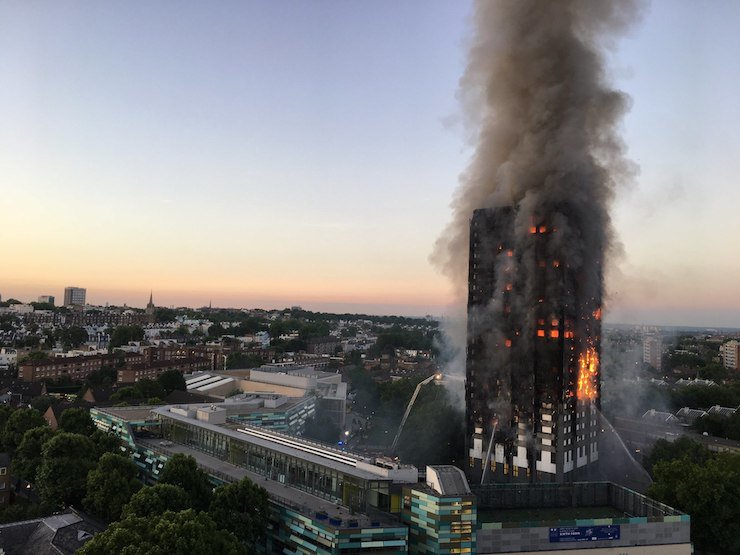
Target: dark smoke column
(531,227)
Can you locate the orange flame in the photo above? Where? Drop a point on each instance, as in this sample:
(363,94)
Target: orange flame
(588,370)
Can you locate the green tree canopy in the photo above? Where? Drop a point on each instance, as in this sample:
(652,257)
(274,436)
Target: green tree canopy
(149,388)
(5,412)
(71,337)
(367,395)
(121,335)
(164,314)
(242,509)
(216,330)
(36,355)
(19,422)
(720,426)
(683,447)
(182,471)
(183,533)
(172,380)
(434,431)
(62,477)
(107,375)
(42,403)
(105,442)
(110,486)
(76,421)
(155,500)
(243,360)
(125,394)
(27,457)
(709,492)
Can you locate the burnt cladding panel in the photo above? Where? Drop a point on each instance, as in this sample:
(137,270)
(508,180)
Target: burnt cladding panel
(489,327)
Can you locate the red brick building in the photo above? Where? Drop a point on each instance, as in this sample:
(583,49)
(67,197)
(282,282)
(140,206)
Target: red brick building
(76,368)
(135,372)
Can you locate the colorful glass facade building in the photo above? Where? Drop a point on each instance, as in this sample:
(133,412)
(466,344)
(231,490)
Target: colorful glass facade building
(441,514)
(321,497)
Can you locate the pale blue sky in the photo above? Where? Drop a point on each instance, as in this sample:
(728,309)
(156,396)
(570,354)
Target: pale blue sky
(277,153)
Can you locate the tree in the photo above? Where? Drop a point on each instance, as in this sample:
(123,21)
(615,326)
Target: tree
(216,330)
(125,394)
(720,426)
(62,477)
(243,360)
(5,412)
(367,396)
(182,533)
(76,421)
(71,337)
(105,376)
(241,508)
(105,442)
(182,471)
(110,486)
(155,500)
(713,371)
(18,424)
(42,403)
(164,315)
(36,355)
(434,431)
(27,457)
(172,380)
(121,335)
(149,388)
(709,493)
(683,447)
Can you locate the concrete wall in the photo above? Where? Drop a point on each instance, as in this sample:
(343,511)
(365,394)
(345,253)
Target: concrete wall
(672,533)
(675,549)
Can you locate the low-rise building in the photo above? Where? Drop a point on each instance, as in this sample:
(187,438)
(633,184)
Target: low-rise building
(132,373)
(76,368)
(323,345)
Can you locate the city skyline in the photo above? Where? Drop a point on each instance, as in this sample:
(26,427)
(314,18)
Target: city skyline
(260,156)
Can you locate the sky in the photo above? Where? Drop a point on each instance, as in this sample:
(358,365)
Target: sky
(305,153)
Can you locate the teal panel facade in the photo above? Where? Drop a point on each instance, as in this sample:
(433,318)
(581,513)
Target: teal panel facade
(437,523)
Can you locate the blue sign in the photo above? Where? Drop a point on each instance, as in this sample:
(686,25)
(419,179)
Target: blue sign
(584,533)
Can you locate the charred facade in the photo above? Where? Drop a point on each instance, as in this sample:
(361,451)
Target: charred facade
(532,375)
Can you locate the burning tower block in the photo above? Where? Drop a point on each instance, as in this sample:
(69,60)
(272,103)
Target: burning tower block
(532,377)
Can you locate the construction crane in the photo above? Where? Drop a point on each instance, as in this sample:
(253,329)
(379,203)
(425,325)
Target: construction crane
(438,378)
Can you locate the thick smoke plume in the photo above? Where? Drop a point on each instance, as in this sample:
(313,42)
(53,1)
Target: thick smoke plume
(544,123)
(547,156)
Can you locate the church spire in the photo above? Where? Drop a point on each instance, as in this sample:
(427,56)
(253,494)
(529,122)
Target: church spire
(150,305)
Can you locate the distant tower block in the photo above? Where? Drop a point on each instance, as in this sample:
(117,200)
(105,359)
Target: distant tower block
(532,374)
(652,351)
(74,296)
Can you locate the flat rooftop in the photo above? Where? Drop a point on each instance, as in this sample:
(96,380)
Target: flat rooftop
(313,452)
(565,503)
(299,500)
(130,414)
